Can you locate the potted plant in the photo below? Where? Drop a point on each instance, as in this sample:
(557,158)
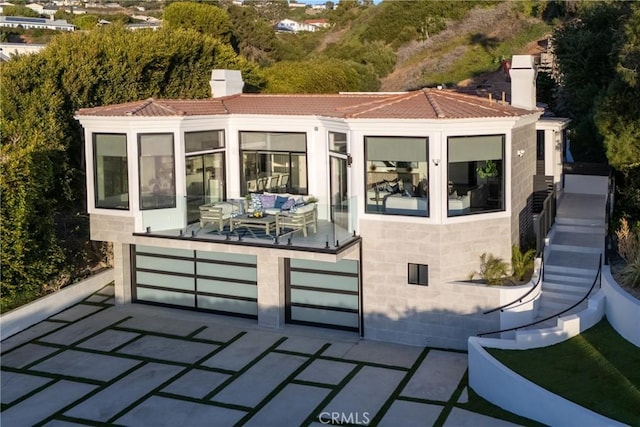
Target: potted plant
(489,170)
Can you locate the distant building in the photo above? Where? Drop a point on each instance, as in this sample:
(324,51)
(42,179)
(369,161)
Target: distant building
(8,50)
(145,26)
(289,25)
(35,23)
(318,23)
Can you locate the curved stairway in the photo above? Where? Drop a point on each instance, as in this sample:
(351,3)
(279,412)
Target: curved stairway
(572,256)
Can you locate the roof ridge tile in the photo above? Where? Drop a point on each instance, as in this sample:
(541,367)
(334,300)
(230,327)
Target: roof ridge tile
(143,104)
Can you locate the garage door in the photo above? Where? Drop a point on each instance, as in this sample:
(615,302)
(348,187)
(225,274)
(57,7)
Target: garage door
(323,293)
(208,281)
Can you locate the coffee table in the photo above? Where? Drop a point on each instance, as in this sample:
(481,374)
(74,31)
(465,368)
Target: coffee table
(266,223)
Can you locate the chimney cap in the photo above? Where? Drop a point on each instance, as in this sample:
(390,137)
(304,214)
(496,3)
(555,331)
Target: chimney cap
(522,61)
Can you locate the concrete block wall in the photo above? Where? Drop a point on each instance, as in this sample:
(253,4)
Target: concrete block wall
(270,262)
(522,171)
(445,313)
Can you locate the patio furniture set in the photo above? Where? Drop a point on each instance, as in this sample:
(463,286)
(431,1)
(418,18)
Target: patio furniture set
(270,219)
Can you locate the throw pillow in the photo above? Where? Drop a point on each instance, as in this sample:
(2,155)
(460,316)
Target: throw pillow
(288,204)
(256,202)
(268,200)
(280,201)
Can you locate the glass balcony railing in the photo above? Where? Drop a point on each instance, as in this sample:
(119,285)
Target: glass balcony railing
(321,226)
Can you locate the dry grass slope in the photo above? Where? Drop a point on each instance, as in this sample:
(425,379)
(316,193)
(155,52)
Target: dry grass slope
(438,54)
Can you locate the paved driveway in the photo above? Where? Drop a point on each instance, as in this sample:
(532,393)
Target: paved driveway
(98,364)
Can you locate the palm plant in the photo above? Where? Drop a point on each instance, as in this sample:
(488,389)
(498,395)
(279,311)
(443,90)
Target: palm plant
(521,262)
(492,269)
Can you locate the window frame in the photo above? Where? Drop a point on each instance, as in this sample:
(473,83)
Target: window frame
(421,274)
(94,136)
(426,141)
(173,164)
(503,183)
(243,183)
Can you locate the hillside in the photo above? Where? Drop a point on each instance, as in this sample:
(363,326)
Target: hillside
(466,53)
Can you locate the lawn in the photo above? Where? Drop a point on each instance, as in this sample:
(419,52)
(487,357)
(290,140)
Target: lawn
(598,370)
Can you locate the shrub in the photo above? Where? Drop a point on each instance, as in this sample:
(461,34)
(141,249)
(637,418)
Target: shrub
(628,241)
(629,250)
(521,262)
(630,273)
(492,269)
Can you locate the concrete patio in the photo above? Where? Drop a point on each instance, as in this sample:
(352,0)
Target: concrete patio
(97,364)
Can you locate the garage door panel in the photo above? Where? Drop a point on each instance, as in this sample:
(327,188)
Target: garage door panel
(324,317)
(323,293)
(328,299)
(166,297)
(225,283)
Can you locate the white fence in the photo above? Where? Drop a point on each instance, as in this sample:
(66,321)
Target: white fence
(28,315)
(503,387)
(622,310)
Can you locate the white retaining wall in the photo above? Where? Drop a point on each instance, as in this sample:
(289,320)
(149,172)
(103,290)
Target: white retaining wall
(508,390)
(622,310)
(28,315)
(503,387)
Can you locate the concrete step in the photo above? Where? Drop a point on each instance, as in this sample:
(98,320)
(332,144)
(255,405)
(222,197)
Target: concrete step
(544,312)
(580,263)
(569,274)
(571,288)
(595,229)
(570,278)
(558,301)
(577,242)
(586,222)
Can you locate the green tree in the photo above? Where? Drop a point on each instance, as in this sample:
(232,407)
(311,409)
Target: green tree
(320,76)
(587,48)
(201,17)
(19,11)
(252,37)
(375,54)
(42,149)
(618,112)
(271,11)
(85,22)
(618,118)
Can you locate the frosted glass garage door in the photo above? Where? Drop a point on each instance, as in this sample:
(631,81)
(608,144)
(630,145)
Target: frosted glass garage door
(208,281)
(323,293)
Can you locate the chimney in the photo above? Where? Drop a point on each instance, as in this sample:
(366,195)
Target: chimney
(226,83)
(523,82)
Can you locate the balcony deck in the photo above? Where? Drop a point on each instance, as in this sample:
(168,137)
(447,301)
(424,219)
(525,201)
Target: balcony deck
(330,238)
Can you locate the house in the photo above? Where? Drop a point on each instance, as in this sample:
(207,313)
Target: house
(410,188)
(35,23)
(319,23)
(7,50)
(290,25)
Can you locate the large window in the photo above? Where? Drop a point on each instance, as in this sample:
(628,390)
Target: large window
(273,162)
(397,175)
(207,140)
(111,180)
(475,174)
(338,142)
(205,170)
(157,171)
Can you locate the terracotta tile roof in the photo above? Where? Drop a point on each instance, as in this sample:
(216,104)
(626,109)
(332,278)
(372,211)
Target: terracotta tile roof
(420,104)
(158,107)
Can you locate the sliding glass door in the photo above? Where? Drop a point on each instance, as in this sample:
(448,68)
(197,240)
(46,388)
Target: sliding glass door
(339,192)
(205,170)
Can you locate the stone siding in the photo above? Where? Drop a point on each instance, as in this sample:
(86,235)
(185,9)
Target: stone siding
(522,171)
(444,313)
